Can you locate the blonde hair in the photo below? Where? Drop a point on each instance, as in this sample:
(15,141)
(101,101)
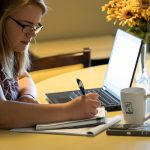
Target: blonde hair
(13,62)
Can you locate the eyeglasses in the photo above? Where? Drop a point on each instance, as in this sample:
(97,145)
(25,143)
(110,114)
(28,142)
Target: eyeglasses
(27,28)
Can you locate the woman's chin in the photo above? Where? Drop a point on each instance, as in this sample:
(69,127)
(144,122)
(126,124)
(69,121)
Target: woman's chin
(22,49)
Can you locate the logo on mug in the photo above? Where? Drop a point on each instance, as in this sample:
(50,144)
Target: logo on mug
(128,108)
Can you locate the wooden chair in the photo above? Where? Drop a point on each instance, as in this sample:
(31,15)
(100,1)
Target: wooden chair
(43,68)
(62,60)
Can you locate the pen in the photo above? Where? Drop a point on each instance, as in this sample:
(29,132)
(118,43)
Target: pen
(81,86)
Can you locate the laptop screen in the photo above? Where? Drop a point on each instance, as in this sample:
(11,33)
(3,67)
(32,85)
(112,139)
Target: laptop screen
(122,63)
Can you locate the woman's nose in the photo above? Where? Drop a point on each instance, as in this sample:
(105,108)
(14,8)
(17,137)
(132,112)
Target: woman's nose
(31,34)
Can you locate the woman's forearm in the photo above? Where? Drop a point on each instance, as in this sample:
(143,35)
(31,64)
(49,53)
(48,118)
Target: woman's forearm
(17,114)
(27,90)
(27,86)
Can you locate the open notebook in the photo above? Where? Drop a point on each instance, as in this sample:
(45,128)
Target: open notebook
(87,131)
(119,75)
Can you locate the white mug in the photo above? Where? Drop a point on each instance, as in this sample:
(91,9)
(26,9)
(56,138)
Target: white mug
(133,104)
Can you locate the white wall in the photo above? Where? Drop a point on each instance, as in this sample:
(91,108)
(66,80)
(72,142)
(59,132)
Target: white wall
(75,18)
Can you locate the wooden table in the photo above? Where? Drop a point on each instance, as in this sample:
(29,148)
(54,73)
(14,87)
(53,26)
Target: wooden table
(91,77)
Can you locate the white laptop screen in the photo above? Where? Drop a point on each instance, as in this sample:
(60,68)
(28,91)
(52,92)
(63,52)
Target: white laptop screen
(122,62)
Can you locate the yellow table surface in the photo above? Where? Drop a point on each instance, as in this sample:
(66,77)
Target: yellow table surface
(91,77)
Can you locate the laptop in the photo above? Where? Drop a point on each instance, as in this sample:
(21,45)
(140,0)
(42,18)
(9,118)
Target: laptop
(120,73)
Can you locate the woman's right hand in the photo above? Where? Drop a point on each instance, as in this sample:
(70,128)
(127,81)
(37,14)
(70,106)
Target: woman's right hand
(83,107)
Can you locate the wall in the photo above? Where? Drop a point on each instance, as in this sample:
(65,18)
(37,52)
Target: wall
(75,18)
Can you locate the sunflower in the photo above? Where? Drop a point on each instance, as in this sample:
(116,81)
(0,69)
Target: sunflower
(133,13)
(128,11)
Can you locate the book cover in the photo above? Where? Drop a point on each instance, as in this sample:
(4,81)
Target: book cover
(99,118)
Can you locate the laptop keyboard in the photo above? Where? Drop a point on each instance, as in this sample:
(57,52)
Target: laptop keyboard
(105,98)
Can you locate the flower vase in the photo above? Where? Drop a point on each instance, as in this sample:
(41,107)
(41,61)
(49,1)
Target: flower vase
(142,79)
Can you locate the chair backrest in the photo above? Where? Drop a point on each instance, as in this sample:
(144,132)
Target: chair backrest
(62,60)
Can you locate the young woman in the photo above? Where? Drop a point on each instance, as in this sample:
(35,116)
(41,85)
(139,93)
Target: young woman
(19,24)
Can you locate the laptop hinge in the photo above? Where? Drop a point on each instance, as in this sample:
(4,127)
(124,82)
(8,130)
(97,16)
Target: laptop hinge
(104,88)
